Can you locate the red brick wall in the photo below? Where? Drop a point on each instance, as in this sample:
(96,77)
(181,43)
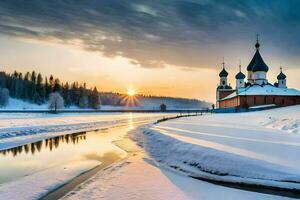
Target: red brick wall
(244,101)
(223,94)
(233,102)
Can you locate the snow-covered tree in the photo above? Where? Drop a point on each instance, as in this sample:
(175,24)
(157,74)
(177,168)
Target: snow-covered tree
(4,95)
(55,101)
(83,101)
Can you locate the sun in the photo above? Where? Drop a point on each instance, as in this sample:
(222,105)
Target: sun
(131,92)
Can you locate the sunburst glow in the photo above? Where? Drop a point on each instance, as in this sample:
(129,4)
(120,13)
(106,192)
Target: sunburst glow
(131,92)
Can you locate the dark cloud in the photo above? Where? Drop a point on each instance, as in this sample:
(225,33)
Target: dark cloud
(155,33)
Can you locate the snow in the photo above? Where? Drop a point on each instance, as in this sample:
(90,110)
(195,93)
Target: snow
(17,104)
(258,147)
(286,119)
(269,90)
(36,185)
(264,90)
(129,180)
(263,106)
(140,177)
(151,104)
(231,147)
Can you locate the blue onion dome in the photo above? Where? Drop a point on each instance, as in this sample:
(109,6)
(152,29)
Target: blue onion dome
(240,75)
(281,76)
(223,73)
(257,63)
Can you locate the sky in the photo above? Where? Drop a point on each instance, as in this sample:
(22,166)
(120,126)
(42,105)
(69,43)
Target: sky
(158,47)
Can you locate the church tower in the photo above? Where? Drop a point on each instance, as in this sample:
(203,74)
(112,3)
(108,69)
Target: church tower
(223,76)
(281,79)
(257,68)
(239,77)
(223,89)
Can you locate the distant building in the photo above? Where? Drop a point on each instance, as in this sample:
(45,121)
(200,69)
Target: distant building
(257,91)
(163,107)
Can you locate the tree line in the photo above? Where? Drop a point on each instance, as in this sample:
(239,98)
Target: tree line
(35,88)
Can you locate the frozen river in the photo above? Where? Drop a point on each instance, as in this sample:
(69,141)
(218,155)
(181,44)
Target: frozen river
(52,161)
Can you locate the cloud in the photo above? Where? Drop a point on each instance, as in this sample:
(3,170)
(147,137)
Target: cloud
(155,33)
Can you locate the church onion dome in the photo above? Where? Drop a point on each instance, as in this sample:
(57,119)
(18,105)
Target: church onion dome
(281,76)
(223,73)
(257,63)
(240,75)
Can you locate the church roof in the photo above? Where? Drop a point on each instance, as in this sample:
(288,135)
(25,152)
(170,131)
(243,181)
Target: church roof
(223,73)
(265,90)
(240,75)
(257,63)
(281,76)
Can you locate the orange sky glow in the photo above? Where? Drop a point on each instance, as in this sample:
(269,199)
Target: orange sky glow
(71,63)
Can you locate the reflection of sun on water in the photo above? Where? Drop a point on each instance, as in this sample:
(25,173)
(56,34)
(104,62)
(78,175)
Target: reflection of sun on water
(130,121)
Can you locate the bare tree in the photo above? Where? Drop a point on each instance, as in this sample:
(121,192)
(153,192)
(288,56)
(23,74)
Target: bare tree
(55,101)
(4,95)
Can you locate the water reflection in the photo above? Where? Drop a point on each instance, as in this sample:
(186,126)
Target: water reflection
(71,149)
(50,144)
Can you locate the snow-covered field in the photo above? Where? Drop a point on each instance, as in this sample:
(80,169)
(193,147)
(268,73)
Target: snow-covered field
(257,148)
(150,104)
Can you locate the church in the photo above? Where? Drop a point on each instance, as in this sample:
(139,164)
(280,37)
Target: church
(256,91)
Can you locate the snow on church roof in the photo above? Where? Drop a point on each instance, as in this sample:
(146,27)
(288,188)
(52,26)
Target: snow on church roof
(264,90)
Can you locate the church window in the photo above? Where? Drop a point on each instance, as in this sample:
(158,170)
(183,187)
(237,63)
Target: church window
(223,82)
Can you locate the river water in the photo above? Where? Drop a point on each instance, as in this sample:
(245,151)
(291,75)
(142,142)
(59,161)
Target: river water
(34,157)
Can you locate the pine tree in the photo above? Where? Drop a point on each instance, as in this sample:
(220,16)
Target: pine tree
(83,98)
(46,88)
(94,99)
(32,89)
(51,84)
(66,95)
(40,92)
(57,86)
(26,87)
(19,86)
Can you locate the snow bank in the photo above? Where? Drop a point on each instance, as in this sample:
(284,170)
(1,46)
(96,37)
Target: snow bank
(213,164)
(36,185)
(254,147)
(286,119)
